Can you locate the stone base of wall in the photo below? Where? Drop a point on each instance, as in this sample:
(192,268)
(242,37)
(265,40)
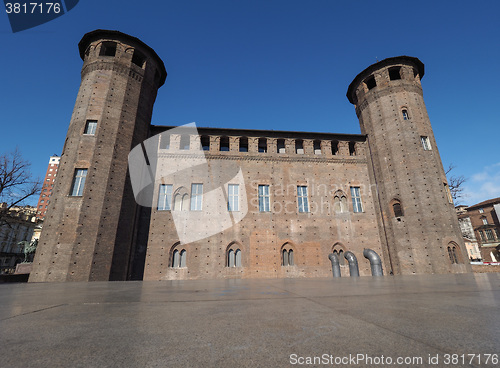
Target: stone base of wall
(485,268)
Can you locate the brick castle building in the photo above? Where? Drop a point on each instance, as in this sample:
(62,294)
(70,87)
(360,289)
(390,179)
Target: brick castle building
(242,203)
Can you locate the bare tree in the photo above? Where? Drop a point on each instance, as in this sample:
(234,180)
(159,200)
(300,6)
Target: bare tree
(16,182)
(455,183)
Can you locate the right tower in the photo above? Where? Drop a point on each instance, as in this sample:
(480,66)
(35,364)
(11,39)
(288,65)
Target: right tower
(417,218)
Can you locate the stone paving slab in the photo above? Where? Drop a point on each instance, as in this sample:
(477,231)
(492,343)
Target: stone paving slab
(251,323)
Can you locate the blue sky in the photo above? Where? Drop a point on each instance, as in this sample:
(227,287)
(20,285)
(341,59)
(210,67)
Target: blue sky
(282,65)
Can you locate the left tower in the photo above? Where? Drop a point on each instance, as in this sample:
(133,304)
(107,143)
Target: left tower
(89,230)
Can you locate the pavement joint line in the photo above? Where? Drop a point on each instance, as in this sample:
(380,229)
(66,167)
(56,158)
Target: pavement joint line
(35,311)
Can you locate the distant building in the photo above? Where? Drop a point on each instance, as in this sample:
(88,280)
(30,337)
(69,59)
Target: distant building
(18,225)
(484,220)
(48,186)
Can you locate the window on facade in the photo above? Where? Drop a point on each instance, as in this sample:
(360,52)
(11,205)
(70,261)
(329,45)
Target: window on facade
(165,141)
(234,258)
(398,210)
(165,197)
(224,144)
(262,145)
(90,127)
(356,199)
(280,146)
(287,257)
(370,83)
(108,49)
(264,205)
(335,147)
(299,146)
(481,234)
(497,232)
(317,147)
(406,116)
(340,202)
(78,182)
(233,193)
(452,255)
(485,220)
(205,142)
(185,141)
(481,210)
(426,143)
(489,234)
(243,144)
(138,58)
(340,255)
(179,258)
(181,201)
(395,73)
(302,198)
(196,196)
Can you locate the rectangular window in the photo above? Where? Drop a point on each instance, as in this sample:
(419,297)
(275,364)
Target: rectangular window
(489,234)
(485,221)
(90,127)
(448,193)
(356,199)
(302,198)
(426,143)
(497,233)
(165,197)
(78,182)
(196,196)
(264,198)
(483,238)
(233,197)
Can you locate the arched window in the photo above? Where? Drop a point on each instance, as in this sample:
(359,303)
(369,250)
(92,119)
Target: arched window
(233,255)
(454,253)
(339,250)
(405,114)
(178,256)
(397,208)
(287,256)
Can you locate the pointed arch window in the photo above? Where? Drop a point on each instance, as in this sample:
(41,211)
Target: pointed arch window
(178,257)
(233,256)
(287,255)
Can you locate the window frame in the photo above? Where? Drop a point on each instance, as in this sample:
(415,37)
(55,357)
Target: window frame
(264,198)
(357,203)
(90,127)
(233,199)
(78,184)
(426,142)
(196,197)
(302,199)
(165,197)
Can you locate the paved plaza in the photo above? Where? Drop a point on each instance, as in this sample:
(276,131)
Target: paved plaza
(254,323)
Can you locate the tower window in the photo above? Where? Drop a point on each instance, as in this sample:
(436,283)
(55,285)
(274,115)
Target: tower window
(233,197)
(406,116)
(485,220)
(205,143)
(262,145)
(224,144)
(165,141)
(90,127)
(243,144)
(395,73)
(426,143)
(302,198)
(356,199)
(78,182)
(398,210)
(108,49)
(370,83)
(280,147)
(448,193)
(138,58)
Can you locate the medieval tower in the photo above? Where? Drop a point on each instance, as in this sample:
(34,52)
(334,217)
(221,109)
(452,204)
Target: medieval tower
(417,220)
(91,223)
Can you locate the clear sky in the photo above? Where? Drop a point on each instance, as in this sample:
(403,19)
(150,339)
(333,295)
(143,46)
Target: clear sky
(282,65)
